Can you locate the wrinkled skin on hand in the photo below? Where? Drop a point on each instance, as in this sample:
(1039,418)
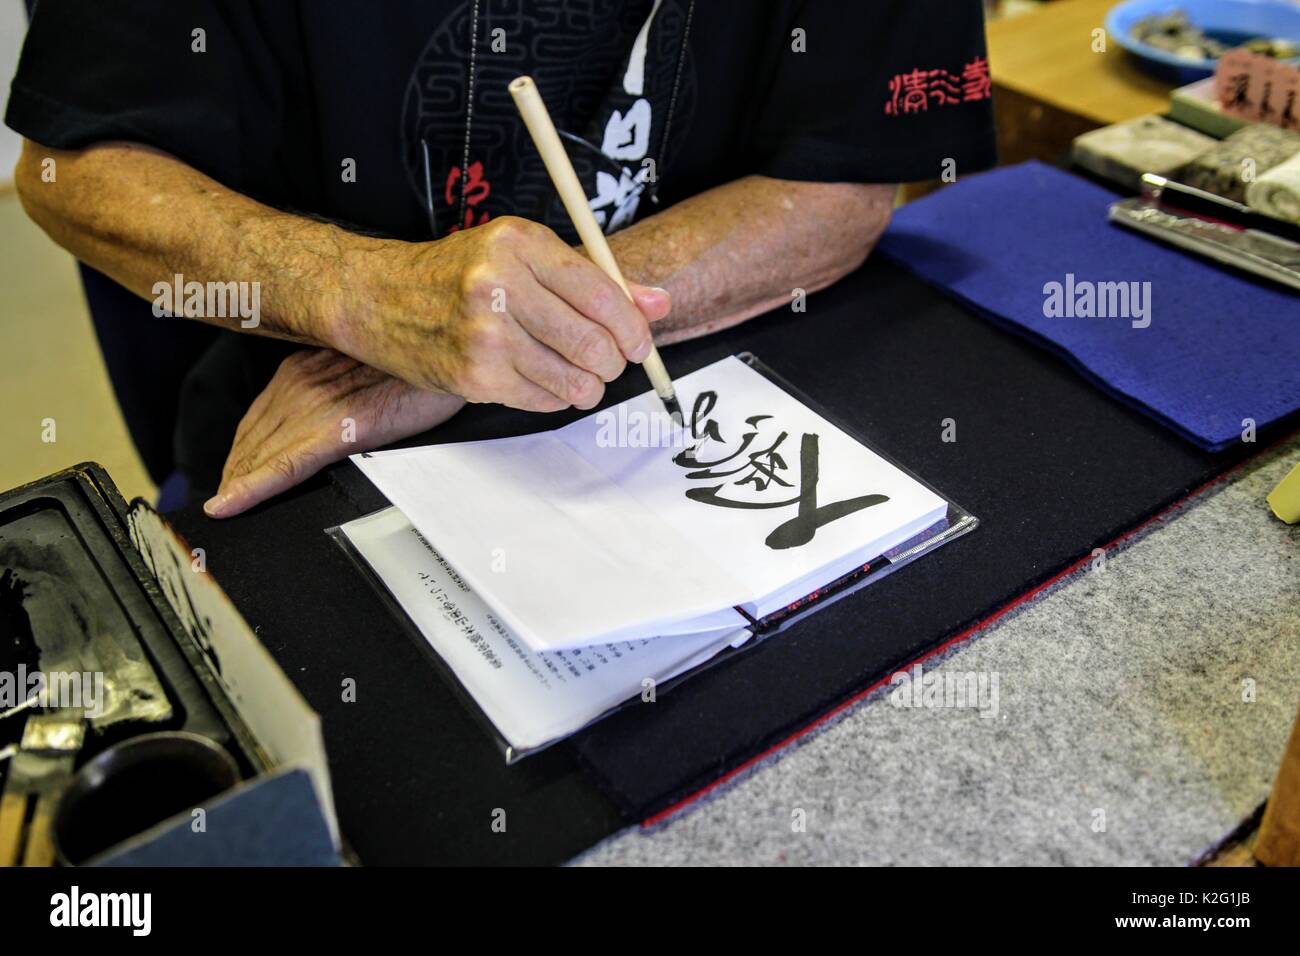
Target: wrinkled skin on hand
(505,312)
(318,408)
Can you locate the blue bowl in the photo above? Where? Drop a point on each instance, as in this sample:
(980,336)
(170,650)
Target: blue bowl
(1229,21)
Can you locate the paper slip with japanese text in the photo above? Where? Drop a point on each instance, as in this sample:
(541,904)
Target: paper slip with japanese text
(531,698)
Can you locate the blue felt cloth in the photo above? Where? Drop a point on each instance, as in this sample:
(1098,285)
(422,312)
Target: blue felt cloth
(1221,347)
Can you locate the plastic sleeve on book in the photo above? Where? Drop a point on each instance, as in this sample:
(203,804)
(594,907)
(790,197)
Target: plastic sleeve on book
(954,524)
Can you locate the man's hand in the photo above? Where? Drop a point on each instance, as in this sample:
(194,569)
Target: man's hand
(505,312)
(319,407)
(502,312)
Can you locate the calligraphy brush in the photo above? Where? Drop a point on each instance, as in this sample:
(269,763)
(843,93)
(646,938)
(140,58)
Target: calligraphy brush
(538,120)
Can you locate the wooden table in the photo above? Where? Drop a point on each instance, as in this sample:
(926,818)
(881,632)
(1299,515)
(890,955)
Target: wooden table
(1049,85)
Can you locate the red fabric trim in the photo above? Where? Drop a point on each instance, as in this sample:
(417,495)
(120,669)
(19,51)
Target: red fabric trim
(956,639)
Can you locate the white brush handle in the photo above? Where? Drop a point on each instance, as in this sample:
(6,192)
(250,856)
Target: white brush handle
(547,141)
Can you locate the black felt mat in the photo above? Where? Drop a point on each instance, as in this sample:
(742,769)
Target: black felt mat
(1051,467)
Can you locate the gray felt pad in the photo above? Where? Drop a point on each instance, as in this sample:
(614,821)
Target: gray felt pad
(1120,705)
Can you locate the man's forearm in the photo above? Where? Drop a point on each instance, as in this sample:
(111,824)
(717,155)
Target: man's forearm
(419,310)
(428,313)
(142,217)
(741,249)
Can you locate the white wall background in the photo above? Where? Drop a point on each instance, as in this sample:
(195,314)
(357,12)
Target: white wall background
(13,24)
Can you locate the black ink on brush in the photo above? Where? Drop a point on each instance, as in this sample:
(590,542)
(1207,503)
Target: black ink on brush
(674,409)
(761,469)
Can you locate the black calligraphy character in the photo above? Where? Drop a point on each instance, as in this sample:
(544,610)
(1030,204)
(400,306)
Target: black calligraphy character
(765,465)
(704,403)
(800,529)
(762,465)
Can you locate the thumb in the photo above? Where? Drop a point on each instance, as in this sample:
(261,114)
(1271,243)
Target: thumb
(654,302)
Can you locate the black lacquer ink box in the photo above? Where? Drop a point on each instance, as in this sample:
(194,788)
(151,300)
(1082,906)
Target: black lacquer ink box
(135,701)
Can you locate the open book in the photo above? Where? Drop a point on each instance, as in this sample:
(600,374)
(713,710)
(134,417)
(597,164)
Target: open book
(561,573)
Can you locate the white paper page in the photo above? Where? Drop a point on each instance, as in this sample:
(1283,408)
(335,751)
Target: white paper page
(746,461)
(621,525)
(531,698)
(563,555)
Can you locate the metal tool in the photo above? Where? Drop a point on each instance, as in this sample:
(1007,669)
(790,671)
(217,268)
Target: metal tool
(38,772)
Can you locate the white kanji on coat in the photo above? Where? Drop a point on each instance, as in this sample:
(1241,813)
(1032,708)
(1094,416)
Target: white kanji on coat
(628,136)
(626,140)
(616,199)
